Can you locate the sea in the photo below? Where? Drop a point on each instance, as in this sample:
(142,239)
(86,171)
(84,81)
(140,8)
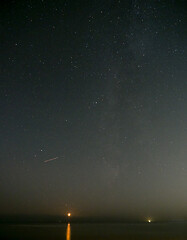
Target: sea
(95,231)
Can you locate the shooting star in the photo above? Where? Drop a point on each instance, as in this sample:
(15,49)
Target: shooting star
(51,159)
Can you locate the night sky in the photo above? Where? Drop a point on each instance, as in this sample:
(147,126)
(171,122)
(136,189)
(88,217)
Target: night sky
(93,108)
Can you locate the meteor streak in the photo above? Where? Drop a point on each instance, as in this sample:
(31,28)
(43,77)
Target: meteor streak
(51,159)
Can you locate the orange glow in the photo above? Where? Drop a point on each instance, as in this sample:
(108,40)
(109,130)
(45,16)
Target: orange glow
(68,232)
(69,214)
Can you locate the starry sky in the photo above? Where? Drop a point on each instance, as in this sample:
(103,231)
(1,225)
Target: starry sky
(93,108)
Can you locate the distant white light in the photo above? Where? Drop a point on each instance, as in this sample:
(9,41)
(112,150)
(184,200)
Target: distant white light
(149,221)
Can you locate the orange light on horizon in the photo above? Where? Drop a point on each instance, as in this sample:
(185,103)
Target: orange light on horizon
(69,214)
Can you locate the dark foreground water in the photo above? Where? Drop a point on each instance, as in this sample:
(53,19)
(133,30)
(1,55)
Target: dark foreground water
(147,231)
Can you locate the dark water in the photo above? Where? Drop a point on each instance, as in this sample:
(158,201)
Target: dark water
(165,231)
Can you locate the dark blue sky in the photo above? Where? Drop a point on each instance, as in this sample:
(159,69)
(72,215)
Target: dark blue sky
(101,87)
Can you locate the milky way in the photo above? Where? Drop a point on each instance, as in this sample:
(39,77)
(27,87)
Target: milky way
(102,83)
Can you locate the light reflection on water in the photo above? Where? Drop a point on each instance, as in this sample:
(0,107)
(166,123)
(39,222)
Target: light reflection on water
(68,232)
(157,231)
